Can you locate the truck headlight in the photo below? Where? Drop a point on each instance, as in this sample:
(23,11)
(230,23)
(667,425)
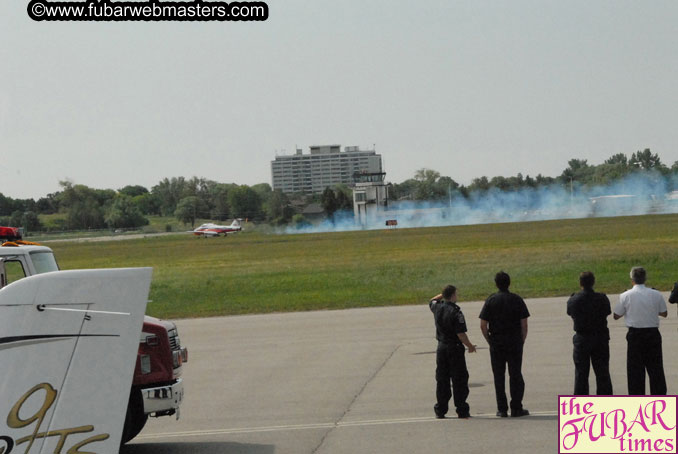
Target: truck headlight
(177,358)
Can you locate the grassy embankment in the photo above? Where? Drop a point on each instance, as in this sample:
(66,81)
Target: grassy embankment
(53,223)
(252,272)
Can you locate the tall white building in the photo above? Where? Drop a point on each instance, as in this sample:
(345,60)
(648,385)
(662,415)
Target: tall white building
(325,165)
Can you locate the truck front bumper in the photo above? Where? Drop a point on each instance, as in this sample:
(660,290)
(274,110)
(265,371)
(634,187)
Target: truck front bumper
(163,400)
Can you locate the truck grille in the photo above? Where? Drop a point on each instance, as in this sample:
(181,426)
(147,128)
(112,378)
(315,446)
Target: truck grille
(174,340)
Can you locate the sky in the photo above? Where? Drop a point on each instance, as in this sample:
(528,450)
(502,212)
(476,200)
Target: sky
(468,88)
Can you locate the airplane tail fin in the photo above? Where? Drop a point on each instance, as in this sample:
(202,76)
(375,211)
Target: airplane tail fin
(70,339)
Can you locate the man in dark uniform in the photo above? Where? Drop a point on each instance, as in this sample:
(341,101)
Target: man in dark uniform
(450,361)
(589,311)
(673,297)
(503,322)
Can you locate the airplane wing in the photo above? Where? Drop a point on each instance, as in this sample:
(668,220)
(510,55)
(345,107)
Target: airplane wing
(68,342)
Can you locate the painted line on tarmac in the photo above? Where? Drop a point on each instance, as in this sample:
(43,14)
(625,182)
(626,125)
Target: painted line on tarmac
(376,422)
(244,430)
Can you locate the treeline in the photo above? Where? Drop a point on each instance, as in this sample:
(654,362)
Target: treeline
(81,207)
(429,185)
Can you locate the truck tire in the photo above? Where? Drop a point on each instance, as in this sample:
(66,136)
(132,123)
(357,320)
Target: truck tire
(135,419)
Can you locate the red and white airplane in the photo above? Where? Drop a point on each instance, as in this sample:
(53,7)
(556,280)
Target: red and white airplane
(216,230)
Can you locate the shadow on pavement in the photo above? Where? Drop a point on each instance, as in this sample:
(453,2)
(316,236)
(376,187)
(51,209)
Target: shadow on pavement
(201,447)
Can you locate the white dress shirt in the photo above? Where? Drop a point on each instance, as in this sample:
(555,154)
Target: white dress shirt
(641,307)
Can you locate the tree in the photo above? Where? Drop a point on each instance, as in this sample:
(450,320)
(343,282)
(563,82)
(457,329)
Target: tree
(201,188)
(263,190)
(499,182)
(30,221)
(541,180)
(344,202)
(82,205)
(147,203)
(133,191)
(329,202)
(426,184)
(428,175)
(27,219)
(619,158)
(609,172)
(578,170)
(299,221)
(169,192)
(219,198)
(244,202)
(188,209)
(15,219)
(344,196)
(404,190)
(7,205)
(124,213)
(279,209)
(447,184)
(645,160)
(479,184)
(48,204)
(516,183)
(104,197)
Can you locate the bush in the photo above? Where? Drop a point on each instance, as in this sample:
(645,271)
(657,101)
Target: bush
(125,214)
(300,222)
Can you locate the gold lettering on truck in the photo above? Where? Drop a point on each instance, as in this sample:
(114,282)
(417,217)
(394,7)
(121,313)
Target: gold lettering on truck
(15,421)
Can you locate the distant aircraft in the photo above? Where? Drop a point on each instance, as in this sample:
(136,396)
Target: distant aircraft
(216,230)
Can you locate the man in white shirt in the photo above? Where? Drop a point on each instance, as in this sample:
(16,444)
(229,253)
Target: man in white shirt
(642,307)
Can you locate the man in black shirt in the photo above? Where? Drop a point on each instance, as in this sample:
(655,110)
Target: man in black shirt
(589,311)
(503,322)
(673,297)
(450,361)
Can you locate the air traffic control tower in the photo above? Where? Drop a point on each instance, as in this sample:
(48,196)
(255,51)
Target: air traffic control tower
(370,196)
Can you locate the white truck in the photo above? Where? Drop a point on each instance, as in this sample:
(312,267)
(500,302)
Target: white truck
(156,386)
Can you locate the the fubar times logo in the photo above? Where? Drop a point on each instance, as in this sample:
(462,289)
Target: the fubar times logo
(617,424)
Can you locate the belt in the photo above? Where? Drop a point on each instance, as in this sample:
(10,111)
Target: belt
(451,344)
(591,333)
(631,328)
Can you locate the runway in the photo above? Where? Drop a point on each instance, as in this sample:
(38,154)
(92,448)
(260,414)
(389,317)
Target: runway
(362,381)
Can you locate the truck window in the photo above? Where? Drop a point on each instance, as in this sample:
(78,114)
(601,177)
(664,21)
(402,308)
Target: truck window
(44,262)
(15,271)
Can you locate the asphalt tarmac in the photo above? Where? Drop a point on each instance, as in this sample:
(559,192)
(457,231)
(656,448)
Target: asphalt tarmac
(363,381)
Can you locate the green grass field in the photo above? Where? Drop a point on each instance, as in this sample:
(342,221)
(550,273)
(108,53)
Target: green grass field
(254,272)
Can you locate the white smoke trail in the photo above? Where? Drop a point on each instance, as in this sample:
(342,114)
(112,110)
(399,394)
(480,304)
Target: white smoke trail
(636,194)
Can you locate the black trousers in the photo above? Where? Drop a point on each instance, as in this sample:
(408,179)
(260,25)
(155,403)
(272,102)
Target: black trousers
(500,356)
(591,349)
(451,366)
(644,353)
